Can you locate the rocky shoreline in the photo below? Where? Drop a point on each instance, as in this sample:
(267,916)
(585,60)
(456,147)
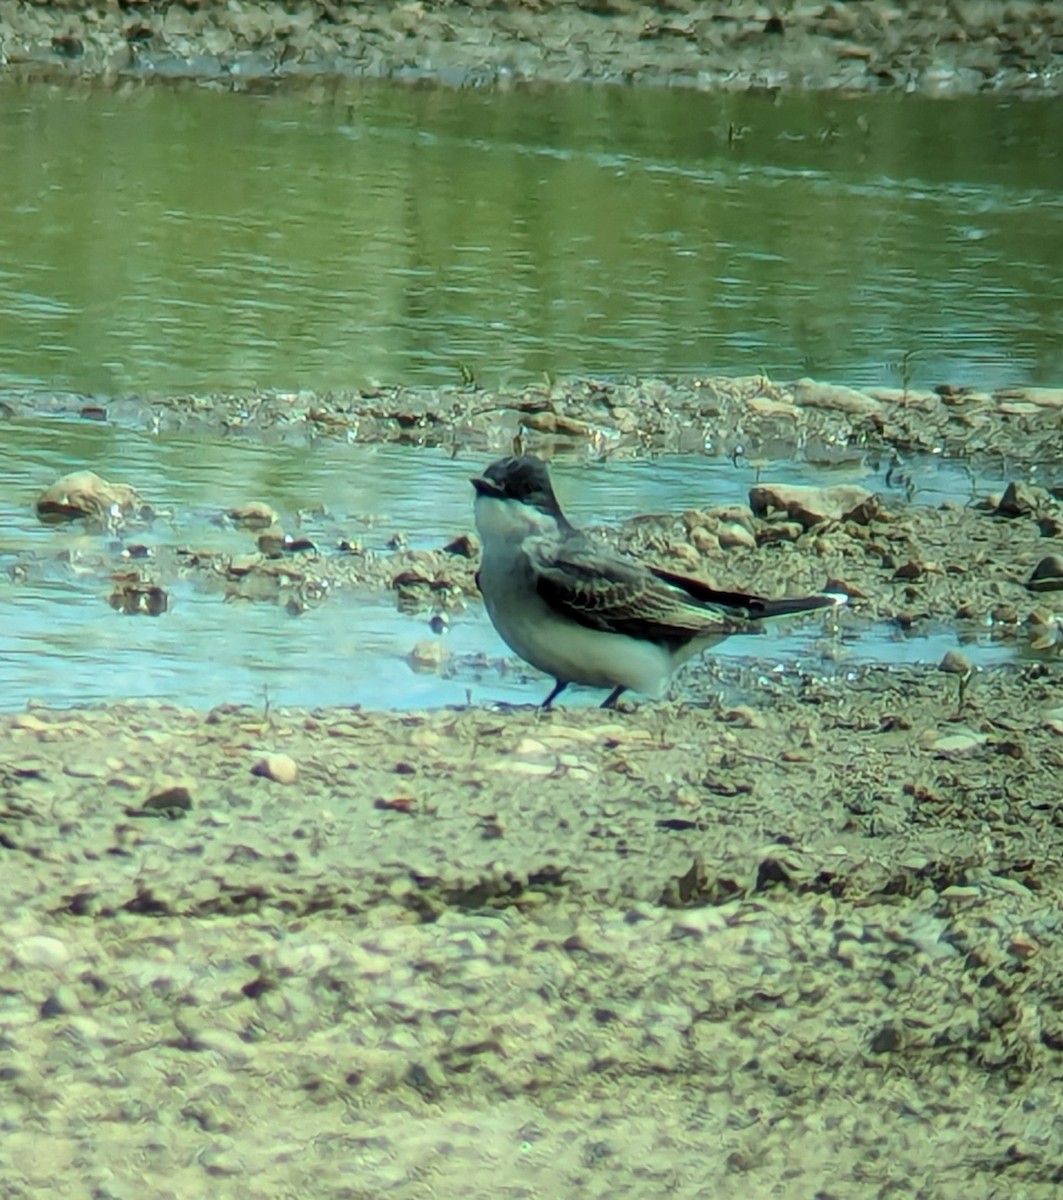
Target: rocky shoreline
(1006,48)
(989,561)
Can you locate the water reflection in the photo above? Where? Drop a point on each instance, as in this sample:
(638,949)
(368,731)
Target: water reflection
(159,239)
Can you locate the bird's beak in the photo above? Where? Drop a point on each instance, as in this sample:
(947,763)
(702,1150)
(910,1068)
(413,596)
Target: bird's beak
(485,487)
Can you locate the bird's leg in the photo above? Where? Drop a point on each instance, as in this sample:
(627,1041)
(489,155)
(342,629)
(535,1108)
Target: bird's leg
(613,697)
(558,688)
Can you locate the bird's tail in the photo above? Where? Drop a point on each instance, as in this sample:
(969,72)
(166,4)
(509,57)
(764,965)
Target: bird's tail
(753,608)
(761,609)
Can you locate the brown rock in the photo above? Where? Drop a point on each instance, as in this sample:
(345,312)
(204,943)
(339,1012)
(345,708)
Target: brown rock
(464,546)
(1020,500)
(1039,397)
(281,768)
(1047,576)
(176,798)
(428,656)
(811,505)
(908,397)
(732,536)
(84,494)
(255,515)
(954,663)
(810,394)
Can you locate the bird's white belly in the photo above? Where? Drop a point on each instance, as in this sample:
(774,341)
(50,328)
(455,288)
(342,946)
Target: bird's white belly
(569,651)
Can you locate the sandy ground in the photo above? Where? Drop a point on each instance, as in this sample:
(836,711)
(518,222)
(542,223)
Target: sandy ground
(811,947)
(805,946)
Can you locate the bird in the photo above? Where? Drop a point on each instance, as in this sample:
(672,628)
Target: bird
(585,614)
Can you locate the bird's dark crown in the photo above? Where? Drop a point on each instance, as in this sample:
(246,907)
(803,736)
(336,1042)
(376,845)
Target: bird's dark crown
(524,478)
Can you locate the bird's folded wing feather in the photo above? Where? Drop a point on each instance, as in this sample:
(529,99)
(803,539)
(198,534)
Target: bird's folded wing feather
(597,588)
(742,604)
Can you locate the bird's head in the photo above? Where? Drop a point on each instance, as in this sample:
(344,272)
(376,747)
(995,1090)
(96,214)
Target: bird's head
(516,492)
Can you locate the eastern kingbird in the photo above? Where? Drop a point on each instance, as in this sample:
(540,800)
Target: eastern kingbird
(584,613)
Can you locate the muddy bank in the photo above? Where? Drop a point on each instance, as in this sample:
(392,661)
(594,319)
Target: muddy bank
(819,941)
(717,414)
(998,46)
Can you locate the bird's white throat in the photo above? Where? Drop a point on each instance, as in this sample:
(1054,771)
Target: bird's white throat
(507,523)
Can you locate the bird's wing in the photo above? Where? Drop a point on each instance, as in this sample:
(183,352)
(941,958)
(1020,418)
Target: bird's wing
(596,587)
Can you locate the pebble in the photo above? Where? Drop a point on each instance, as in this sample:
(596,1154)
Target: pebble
(954,663)
(745,716)
(808,393)
(733,536)
(1020,500)
(281,768)
(175,798)
(41,951)
(428,655)
(29,722)
(256,515)
(60,1003)
(811,505)
(244,564)
(1041,397)
(84,494)
(952,745)
(1047,576)
(464,545)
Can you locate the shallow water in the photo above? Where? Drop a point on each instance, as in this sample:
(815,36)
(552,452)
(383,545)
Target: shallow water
(158,239)
(60,642)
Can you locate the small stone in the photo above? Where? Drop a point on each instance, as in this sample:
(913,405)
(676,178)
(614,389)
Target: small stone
(255,515)
(954,663)
(1022,946)
(244,564)
(270,543)
(428,655)
(780,531)
(281,768)
(41,951)
(745,716)
(84,494)
(464,546)
(962,894)
(906,397)
(953,745)
(1020,500)
(1041,397)
(835,397)
(1047,576)
(733,536)
(706,543)
(913,569)
(768,406)
(60,1003)
(173,799)
(30,722)
(811,505)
